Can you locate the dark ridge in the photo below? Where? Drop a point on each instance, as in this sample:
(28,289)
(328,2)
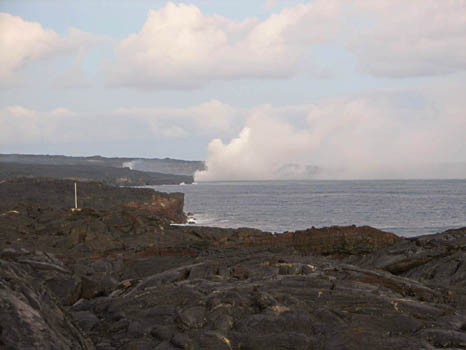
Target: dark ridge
(106,174)
(164,166)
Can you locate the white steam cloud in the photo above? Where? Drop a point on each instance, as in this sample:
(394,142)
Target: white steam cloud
(130,165)
(263,147)
(385,136)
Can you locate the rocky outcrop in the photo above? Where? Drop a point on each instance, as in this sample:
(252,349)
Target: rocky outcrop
(237,299)
(169,206)
(341,240)
(80,233)
(140,227)
(122,277)
(31,317)
(52,193)
(335,240)
(435,260)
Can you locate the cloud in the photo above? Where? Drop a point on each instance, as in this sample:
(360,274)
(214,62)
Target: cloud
(181,48)
(23,42)
(20,125)
(373,136)
(206,119)
(389,134)
(399,38)
(258,151)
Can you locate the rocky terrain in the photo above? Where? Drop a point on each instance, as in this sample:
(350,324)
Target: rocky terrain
(119,275)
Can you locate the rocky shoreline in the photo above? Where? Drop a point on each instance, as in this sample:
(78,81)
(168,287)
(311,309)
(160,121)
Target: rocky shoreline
(118,275)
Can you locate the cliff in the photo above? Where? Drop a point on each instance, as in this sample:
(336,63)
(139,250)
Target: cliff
(53,193)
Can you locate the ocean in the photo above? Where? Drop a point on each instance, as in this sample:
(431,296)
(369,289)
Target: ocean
(405,207)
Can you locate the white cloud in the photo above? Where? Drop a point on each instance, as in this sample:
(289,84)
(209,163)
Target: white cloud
(258,151)
(180,47)
(207,119)
(20,125)
(374,136)
(390,134)
(23,42)
(400,38)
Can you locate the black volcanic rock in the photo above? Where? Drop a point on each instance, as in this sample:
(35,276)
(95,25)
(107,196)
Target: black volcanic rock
(30,316)
(59,194)
(285,301)
(121,277)
(438,261)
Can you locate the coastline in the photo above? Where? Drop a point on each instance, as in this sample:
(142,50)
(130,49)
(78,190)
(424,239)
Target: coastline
(405,207)
(120,276)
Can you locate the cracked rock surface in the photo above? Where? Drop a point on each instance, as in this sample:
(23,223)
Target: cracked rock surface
(123,278)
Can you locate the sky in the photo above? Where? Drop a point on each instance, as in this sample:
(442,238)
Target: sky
(268,89)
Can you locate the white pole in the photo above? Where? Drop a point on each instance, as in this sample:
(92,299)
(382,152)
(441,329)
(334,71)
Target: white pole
(75,196)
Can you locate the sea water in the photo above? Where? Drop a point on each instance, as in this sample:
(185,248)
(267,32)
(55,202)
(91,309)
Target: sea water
(405,207)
